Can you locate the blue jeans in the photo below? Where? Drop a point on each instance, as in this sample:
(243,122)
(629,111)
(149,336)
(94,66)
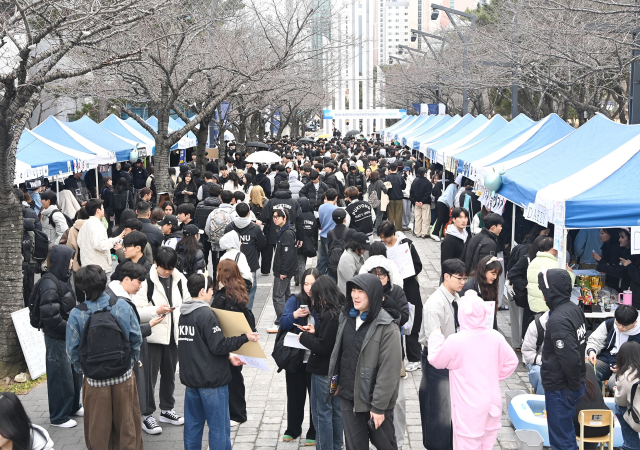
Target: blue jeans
(561,409)
(323,255)
(252,292)
(630,438)
(63,382)
(327,418)
(212,405)
(535,379)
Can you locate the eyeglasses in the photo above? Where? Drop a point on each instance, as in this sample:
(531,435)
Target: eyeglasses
(463,279)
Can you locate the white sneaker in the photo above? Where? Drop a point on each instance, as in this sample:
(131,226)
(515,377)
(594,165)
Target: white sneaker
(234,423)
(435,238)
(150,426)
(171,417)
(412,367)
(79,413)
(68,424)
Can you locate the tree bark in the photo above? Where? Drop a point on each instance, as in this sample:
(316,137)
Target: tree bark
(202,135)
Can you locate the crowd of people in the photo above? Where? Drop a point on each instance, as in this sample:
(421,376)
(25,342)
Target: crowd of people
(141,267)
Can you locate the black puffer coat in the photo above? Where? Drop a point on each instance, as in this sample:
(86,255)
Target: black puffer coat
(188,268)
(55,306)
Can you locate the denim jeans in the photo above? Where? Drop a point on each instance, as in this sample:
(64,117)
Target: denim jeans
(63,382)
(212,405)
(535,379)
(327,418)
(561,409)
(323,256)
(252,292)
(630,438)
(603,372)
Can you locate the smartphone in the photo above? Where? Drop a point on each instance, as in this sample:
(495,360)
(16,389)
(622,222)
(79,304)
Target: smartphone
(299,326)
(304,307)
(165,314)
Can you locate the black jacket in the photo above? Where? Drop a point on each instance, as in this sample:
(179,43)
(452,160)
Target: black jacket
(251,238)
(339,232)
(284,200)
(315,195)
(142,261)
(361,214)
(263,181)
(279,178)
(474,206)
(285,258)
(618,273)
(518,279)
(222,301)
(78,187)
(420,191)
(565,337)
(394,298)
(153,233)
(30,222)
(188,268)
(139,177)
(321,345)
(356,179)
(180,198)
(309,230)
(482,244)
(203,350)
(55,306)
(203,210)
(452,246)
(332,183)
(398,184)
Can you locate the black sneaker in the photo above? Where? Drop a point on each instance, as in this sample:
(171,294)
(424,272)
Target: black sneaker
(151,426)
(172,418)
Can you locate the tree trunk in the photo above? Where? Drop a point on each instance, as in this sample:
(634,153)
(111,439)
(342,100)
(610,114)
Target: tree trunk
(202,134)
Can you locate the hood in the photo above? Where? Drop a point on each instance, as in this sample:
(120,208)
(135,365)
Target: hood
(191,305)
(227,206)
(260,177)
(59,257)
(293,175)
(282,193)
(386,264)
(242,222)
(400,235)
(372,286)
(49,210)
(118,290)
(230,240)
(305,206)
(559,286)
(453,231)
(472,313)
(212,201)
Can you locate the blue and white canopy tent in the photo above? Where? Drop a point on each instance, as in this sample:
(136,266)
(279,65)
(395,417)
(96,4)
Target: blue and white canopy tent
(424,126)
(90,130)
(473,151)
(398,133)
(436,123)
(122,129)
(187,141)
(456,124)
(386,133)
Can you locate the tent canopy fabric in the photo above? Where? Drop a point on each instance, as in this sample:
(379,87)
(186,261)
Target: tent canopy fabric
(444,123)
(402,122)
(434,124)
(95,133)
(409,135)
(60,133)
(124,130)
(407,128)
(453,126)
(186,141)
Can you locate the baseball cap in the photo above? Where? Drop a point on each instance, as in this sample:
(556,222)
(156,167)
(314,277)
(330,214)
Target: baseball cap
(339,214)
(407,169)
(191,230)
(362,239)
(169,219)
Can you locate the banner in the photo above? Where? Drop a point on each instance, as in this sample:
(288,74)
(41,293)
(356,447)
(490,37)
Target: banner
(328,114)
(433,108)
(183,157)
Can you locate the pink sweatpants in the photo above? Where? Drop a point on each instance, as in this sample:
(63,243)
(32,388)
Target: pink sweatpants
(485,442)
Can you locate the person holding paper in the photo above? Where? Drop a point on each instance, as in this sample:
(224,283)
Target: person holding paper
(299,311)
(204,366)
(483,282)
(231,295)
(411,287)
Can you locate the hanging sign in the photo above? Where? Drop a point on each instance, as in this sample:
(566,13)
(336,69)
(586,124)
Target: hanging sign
(537,213)
(494,204)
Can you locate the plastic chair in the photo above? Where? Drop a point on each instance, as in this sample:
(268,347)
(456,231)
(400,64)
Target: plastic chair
(596,418)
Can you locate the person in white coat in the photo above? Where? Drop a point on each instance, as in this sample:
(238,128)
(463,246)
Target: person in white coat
(294,184)
(53,221)
(93,241)
(165,290)
(230,244)
(532,351)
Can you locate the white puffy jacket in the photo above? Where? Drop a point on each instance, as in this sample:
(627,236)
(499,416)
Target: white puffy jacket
(529,355)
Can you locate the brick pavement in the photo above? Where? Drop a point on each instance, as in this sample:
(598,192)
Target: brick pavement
(265,391)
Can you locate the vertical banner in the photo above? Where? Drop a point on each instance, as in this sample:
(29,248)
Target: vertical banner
(183,157)
(417,107)
(560,234)
(433,109)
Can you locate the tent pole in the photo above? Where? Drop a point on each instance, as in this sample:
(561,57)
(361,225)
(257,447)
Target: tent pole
(97,187)
(513,225)
(57,189)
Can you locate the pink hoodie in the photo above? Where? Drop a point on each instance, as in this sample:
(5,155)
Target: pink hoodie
(478,358)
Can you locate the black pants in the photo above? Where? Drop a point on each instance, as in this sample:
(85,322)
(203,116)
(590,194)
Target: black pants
(206,249)
(237,402)
(443,218)
(434,396)
(357,433)
(267,258)
(163,360)
(527,317)
(27,285)
(215,259)
(298,385)
(412,290)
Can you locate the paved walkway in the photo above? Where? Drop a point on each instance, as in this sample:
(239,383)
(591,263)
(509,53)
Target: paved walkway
(266,399)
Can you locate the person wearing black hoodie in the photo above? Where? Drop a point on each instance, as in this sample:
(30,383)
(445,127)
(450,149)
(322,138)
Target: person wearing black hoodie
(204,209)
(367,359)
(563,370)
(395,206)
(309,247)
(452,245)
(204,366)
(57,299)
(484,243)
(263,181)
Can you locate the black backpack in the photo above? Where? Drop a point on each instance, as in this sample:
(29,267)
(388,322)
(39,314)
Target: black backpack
(286,358)
(540,338)
(67,218)
(335,252)
(34,300)
(202,213)
(105,351)
(120,202)
(38,246)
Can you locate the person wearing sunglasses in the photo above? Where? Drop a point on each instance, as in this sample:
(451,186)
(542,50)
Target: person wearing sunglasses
(440,313)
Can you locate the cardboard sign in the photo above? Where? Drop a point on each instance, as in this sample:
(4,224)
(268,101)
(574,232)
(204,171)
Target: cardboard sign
(537,213)
(235,324)
(32,343)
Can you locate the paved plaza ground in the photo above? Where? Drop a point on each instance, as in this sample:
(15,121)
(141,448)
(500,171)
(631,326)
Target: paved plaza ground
(266,398)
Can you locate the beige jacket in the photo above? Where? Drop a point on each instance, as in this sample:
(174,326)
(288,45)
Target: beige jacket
(72,241)
(95,244)
(161,333)
(624,385)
